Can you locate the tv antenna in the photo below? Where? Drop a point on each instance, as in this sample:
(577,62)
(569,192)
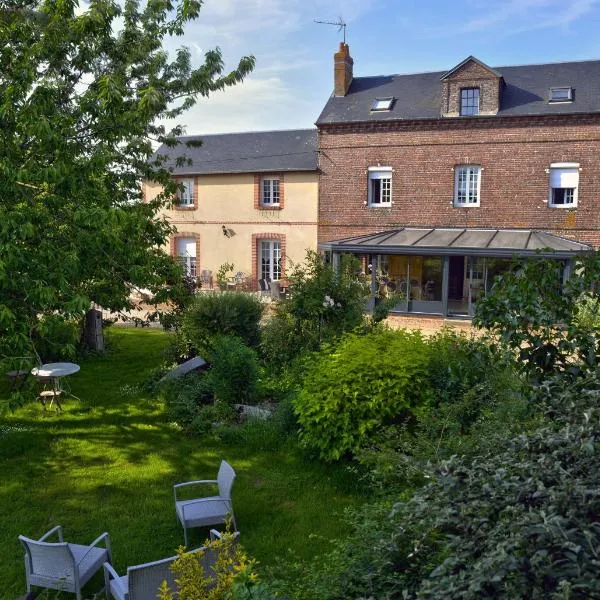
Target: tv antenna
(339,24)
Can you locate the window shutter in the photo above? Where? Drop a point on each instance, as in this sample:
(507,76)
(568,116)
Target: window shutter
(564,178)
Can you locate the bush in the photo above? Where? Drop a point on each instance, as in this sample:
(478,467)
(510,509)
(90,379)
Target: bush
(324,303)
(364,383)
(539,318)
(56,338)
(522,521)
(232,576)
(234,370)
(186,396)
(229,313)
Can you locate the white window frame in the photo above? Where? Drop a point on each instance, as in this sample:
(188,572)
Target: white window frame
(380,174)
(573,168)
(187,259)
(186,197)
(382,104)
(467,202)
(565,88)
(270,191)
(275,257)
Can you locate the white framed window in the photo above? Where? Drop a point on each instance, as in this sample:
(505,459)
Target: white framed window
(382,104)
(560,94)
(380,186)
(469,102)
(270,192)
(269,257)
(467,185)
(186,196)
(186,252)
(564,184)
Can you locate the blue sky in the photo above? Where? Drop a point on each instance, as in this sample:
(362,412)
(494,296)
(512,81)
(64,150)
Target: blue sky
(294,69)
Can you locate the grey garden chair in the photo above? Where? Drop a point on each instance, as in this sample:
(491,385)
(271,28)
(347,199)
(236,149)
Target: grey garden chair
(210,510)
(63,566)
(142,581)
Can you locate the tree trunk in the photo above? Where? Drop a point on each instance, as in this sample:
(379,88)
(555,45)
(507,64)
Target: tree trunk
(93,336)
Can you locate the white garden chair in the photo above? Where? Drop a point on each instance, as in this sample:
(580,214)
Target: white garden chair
(143,581)
(63,566)
(209,510)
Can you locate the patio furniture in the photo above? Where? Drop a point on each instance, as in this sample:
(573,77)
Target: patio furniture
(18,375)
(209,510)
(142,581)
(63,566)
(52,373)
(206,279)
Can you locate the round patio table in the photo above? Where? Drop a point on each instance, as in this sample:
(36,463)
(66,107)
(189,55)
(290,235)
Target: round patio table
(55,371)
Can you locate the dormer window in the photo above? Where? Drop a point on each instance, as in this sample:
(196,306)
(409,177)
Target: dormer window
(469,102)
(561,94)
(382,104)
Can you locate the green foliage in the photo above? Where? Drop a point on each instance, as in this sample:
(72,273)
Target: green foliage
(324,304)
(478,397)
(223,274)
(532,313)
(214,315)
(257,434)
(519,521)
(232,576)
(234,370)
(363,383)
(81,93)
(186,396)
(56,338)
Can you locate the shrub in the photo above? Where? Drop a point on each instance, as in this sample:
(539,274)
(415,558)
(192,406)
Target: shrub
(232,577)
(521,521)
(324,303)
(56,338)
(186,396)
(234,370)
(229,313)
(364,383)
(539,318)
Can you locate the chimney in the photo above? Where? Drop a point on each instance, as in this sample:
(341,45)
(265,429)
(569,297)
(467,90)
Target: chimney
(342,70)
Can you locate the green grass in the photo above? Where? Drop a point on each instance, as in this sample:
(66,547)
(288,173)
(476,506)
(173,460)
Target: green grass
(108,463)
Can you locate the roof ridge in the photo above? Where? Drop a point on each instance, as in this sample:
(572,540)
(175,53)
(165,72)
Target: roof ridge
(497,68)
(246,132)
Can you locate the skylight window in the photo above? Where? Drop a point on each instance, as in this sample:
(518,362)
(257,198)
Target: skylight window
(381,104)
(561,94)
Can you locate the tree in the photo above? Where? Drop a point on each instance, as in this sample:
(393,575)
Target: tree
(533,313)
(81,95)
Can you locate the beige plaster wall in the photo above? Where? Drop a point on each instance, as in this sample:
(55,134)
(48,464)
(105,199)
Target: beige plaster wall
(229,200)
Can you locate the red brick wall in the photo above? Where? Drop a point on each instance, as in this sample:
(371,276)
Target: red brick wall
(514,154)
(471,75)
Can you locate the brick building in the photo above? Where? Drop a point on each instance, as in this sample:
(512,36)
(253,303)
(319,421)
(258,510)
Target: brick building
(248,199)
(438,179)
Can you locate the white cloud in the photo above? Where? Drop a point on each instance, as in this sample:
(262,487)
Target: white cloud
(255,104)
(518,16)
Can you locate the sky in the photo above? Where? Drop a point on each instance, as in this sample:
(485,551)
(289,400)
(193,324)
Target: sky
(293,77)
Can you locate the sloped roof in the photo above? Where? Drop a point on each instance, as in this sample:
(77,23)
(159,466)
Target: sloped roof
(447,240)
(250,152)
(418,96)
(467,60)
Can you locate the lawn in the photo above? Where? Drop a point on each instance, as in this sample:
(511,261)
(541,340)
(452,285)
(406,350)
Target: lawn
(108,463)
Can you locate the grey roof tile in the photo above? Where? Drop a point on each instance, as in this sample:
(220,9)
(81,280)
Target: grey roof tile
(250,152)
(448,240)
(418,96)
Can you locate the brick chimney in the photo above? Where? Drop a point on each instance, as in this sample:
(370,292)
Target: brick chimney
(342,70)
